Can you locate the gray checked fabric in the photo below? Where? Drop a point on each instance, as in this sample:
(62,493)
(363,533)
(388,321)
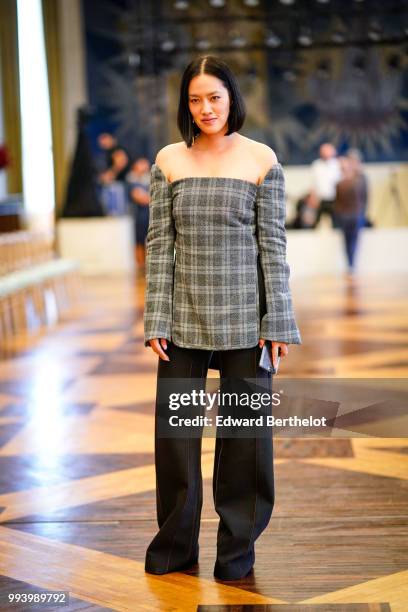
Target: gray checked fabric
(204,237)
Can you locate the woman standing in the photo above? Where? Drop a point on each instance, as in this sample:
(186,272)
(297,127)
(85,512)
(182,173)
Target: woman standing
(217,285)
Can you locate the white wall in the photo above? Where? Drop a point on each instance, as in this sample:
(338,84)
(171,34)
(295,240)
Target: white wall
(72,60)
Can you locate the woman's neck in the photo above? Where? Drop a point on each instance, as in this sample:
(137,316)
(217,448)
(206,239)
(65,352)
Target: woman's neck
(214,143)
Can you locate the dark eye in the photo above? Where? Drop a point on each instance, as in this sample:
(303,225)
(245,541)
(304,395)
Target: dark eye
(216,97)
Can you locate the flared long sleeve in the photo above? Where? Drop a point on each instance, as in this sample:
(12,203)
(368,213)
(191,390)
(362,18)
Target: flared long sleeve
(159,259)
(279,322)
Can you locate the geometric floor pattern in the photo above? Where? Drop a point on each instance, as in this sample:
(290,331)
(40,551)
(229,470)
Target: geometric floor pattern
(77,496)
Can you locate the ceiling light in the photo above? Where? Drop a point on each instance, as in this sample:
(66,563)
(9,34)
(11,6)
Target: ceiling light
(203,44)
(338,37)
(272,40)
(168,45)
(181,5)
(374,33)
(238,41)
(305,37)
(134,59)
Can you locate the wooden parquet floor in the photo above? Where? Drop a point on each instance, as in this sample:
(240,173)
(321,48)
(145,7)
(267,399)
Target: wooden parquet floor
(77,497)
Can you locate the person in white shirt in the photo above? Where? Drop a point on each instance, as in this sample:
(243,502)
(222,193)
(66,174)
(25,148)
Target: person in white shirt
(326,173)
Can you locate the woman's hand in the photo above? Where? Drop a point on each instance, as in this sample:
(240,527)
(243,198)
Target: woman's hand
(155,344)
(275,348)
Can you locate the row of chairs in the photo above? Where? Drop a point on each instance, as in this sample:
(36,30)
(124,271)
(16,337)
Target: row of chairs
(22,249)
(37,288)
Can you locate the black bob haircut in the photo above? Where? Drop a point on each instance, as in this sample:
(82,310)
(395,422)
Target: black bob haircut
(209,64)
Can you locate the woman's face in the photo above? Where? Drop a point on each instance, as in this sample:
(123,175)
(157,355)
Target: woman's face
(209,103)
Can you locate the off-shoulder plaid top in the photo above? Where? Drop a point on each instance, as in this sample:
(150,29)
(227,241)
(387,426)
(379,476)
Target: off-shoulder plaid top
(204,237)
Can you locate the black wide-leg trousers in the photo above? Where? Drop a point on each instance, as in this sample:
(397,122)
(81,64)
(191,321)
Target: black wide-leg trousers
(243,477)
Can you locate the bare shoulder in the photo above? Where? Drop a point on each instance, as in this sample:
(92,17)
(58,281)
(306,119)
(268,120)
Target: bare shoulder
(167,154)
(264,156)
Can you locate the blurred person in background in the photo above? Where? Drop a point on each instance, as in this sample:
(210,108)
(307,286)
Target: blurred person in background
(350,205)
(356,159)
(325,176)
(138,181)
(306,211)
(112,177)
(117,159)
